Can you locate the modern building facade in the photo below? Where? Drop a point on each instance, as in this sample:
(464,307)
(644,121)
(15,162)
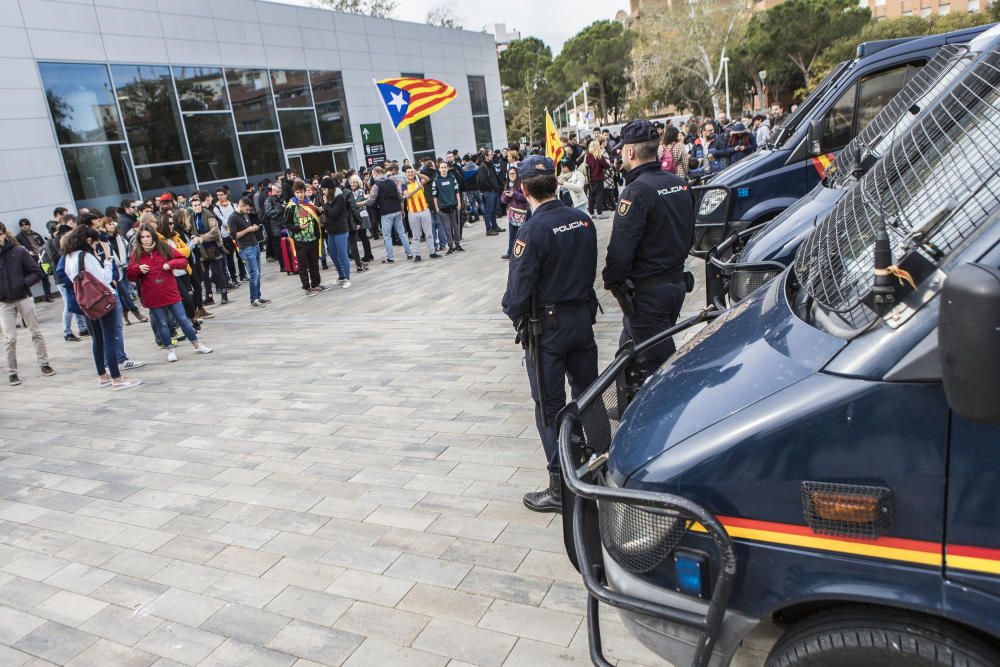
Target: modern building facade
(108,99)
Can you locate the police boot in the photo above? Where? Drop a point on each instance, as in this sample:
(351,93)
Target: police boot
(546,500)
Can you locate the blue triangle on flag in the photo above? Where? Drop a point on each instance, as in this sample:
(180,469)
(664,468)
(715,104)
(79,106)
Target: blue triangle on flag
(396,100)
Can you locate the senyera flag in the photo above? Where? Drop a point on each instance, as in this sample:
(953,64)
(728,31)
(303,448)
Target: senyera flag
(408,100)
(553,147)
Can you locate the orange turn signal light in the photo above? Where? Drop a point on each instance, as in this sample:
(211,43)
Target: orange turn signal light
(845,507)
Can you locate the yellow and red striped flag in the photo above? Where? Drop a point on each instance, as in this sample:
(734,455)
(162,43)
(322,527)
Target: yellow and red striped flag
(408,100)
(553,147)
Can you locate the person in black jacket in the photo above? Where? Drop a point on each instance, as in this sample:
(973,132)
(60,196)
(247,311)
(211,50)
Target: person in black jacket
(274,218)
(336,220)
(488,184)
(18,272)
(33,242)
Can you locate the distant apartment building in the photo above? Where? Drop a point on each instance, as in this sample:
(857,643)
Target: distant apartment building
(502,36)
(895,8)
(638,8)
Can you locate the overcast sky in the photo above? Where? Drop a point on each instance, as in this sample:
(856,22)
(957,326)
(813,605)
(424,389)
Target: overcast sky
(553,21)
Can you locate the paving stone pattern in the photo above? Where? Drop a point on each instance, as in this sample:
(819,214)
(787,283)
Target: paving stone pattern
(339,483)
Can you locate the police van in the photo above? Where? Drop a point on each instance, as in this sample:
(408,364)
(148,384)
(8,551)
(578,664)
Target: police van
(737,266)
(759,187)
(820,462)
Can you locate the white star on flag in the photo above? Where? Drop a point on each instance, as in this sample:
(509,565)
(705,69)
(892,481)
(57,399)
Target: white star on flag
(397,101)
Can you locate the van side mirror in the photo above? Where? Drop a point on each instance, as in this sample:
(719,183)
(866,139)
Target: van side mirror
(815,137)
(969,342)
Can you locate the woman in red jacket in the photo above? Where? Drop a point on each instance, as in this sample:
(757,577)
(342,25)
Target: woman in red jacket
(152,265)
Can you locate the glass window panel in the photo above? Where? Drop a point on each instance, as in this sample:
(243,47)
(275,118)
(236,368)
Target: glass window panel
(484,136)
(477,93)
(839,121)
(877,90)
(98,173)
(298,128)
(327,86)
(342,159)
(213,146)
(291,88)
(421,135)
(250,94)
(173,177)
(201,88)
(333,127)
(262,153)
(152,122)
(420,155)
(81,102)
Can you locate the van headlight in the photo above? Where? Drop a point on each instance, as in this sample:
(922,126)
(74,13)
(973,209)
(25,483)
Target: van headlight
(711,201)
(638,538)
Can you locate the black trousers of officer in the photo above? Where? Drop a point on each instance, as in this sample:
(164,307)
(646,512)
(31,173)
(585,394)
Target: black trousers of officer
(656,306)
(567,350)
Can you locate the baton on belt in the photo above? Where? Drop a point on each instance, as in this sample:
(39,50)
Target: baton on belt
(530,333)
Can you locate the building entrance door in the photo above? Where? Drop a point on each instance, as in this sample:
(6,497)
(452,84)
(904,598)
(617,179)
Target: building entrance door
(320,161)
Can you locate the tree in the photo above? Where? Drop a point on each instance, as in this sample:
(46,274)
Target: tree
(444,15)
(681,52)
(522,74)
(801,30)
(600,54)
(382,9)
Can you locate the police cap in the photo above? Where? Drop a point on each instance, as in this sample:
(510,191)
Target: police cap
(536,165)
(639,132)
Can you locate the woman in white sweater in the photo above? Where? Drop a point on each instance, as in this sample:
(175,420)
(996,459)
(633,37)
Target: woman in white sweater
(84,241)
(572,181)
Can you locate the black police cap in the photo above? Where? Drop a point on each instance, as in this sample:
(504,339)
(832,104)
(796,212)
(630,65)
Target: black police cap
(536,165)
(639,132)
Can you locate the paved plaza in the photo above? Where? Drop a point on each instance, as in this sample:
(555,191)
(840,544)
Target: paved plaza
(339,483)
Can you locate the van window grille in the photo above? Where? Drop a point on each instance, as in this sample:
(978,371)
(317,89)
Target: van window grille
(928,82)
(949,153)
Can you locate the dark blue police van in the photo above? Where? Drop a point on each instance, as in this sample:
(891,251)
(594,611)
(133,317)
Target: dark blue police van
(738,266)
(822,460)
(759,187)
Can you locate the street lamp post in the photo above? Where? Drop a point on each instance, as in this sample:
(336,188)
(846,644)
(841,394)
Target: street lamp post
(763,85)
(725,64)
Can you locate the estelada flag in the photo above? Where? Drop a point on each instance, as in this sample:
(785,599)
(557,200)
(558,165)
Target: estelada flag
(408,100)
(553,147)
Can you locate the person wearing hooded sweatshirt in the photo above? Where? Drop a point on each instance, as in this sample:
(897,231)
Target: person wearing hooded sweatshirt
(18,272)
(152,265)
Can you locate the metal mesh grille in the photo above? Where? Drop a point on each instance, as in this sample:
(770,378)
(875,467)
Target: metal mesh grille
(744,281)
(639,539)
(949,153)
(601,418)
(847,510)
(712,206)
(929,81)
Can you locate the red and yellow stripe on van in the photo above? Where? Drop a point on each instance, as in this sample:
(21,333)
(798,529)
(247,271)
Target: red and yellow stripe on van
(915,552)
(821,162)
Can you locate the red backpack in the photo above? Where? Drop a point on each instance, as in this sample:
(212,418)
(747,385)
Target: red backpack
(667,160)
(94,297)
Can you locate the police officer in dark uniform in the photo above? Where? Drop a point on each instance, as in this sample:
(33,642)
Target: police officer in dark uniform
(651,235)
(550,297)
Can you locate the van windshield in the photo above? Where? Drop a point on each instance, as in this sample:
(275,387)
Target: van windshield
(939,182)
(874,140)
(787,129)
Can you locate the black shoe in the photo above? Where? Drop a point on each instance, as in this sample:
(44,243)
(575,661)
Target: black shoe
(13,380)
(265,301)
(451,251)
(389,261)
(70,338)
(409,257)
(459,248)
(434,255)
(501,229)
(415,259)
(84,334)
(547,500)
(225,300)
(504,256)
(48,370)
(209,301)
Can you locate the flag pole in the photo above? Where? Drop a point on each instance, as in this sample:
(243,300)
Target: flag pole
(393,125)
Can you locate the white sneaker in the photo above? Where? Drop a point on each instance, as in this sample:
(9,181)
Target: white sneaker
(256,304)
(342,281)
(347,283)
(171,355)
(133,363)
(127,384)
(203,349)
(469,225)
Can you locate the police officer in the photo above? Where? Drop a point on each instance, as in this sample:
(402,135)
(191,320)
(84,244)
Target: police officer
(550,290)
(651,235)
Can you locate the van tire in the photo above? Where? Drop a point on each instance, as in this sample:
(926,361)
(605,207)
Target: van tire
(876,637)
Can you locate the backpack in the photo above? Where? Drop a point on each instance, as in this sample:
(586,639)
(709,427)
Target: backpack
(94,297)
(667,160)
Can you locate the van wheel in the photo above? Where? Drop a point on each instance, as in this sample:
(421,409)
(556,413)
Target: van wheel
(867,637)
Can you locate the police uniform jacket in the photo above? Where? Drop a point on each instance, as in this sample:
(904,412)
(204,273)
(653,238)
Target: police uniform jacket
(554,257)
(653,227)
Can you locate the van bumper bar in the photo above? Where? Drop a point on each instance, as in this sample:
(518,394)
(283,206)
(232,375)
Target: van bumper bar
(582,472)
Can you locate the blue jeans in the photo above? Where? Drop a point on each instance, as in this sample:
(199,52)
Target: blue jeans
(337,245)
(67,317)
(474,199)
(512,231)
(392,221)
(490,201)
(159,319)
(251,258)
(119,331)
(104,345)
(125,295)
